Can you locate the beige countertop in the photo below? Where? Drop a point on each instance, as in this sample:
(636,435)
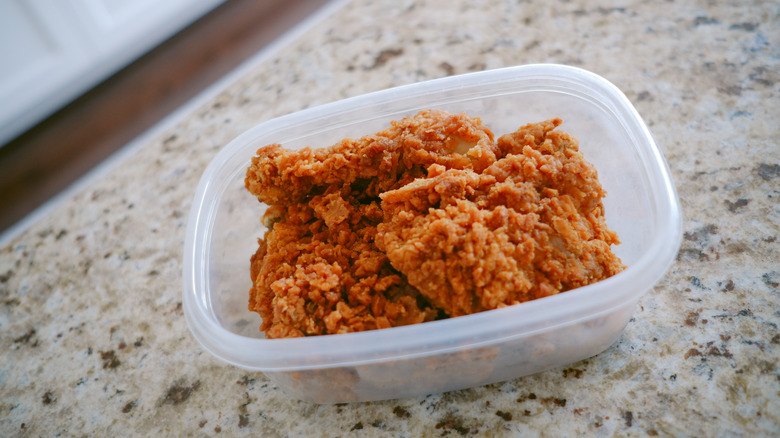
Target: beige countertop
(94,339)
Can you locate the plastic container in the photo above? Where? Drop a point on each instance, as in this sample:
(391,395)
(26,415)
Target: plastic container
(641,205)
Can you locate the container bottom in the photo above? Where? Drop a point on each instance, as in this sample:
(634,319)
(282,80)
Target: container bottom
(500,361)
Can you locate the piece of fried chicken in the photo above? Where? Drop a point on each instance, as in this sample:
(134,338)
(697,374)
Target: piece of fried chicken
(317,270)
(430,216)
(528,226)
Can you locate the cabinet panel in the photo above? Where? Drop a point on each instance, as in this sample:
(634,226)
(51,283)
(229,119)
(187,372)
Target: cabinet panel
(39,54)
(27,45)
(53,50)
(132,25)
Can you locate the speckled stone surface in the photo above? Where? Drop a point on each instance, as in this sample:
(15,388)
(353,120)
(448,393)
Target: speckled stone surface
(94,340)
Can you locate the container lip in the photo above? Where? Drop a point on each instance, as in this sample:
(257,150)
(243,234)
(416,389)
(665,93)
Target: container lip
(460,332)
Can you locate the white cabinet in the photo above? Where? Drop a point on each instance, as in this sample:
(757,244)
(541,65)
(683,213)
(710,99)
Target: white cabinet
(53,50)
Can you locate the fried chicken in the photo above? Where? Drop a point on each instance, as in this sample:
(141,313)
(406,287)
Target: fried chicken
(528,226)
(430,218)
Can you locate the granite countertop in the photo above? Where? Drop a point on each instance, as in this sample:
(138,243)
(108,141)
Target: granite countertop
(92,331)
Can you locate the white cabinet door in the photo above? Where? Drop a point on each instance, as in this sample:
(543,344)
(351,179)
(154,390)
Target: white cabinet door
(39,53)
(53,50)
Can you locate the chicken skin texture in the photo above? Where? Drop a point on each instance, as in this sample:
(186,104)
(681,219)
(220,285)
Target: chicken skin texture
(528,226)
(429,218)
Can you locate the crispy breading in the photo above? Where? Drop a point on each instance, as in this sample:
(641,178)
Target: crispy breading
(371,164)
(317,270)
(528,226)
(432,217)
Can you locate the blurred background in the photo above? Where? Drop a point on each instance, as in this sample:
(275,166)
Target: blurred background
(79,79)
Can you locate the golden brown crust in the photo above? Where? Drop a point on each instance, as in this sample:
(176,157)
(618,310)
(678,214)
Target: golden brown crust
(429,215)
(528,226)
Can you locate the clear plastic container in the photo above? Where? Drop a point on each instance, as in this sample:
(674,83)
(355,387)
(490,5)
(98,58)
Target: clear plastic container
(497,345)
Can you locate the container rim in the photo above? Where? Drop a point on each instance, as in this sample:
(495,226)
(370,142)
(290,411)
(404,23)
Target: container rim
(461,332)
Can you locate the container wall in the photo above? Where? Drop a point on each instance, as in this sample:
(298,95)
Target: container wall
(440,372)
